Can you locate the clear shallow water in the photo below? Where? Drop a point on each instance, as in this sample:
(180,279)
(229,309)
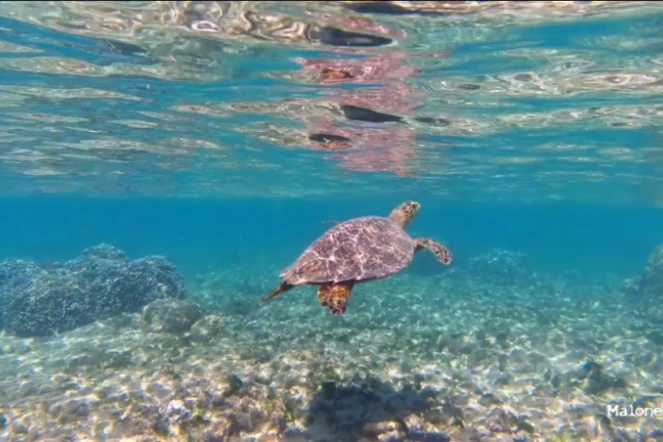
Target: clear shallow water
(206,234)
(226,136)
(535,128)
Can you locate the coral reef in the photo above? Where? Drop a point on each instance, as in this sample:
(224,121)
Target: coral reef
(501,267)
(101,283)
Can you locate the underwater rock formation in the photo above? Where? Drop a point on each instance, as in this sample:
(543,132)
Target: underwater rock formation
(651,283)
(15,276)
(501,267)
(50,303)
(101,283)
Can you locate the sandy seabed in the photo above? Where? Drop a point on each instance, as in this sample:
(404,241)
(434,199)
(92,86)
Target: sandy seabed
(415,358)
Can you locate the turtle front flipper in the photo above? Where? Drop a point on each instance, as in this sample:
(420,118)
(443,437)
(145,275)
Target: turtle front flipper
(441,252)
(335,297)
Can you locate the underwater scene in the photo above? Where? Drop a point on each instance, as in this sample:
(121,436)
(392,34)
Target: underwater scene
(331,221)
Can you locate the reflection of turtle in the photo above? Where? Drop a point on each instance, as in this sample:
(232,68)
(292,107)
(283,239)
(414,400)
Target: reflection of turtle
(358,250)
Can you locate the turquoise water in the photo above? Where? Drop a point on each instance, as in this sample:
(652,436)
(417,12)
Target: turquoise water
(206,233)
(227,136)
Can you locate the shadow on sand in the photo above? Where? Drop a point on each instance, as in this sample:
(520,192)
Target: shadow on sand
(369,409)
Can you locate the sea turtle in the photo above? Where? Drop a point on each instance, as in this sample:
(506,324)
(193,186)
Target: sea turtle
(359,250)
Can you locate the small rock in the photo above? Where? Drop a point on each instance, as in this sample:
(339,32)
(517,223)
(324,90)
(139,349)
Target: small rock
(651,282)
(19,428)
(436,437)
(171,315)
(656,435)
(420,436)
(656,337)
(161,426)
(631,286)
(392,436)
(125,320)
(235,385)
(329,390)
(206,328)
(212,437)
(414,423)
(388,429)
(501,267)
(294,434)
(488,399)
(500,421)
(177,411)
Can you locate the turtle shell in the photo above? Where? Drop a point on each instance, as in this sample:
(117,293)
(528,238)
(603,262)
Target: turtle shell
(360,249)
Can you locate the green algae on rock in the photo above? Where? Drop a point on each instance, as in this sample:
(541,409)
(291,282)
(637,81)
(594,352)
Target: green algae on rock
(206,328)
(171,315)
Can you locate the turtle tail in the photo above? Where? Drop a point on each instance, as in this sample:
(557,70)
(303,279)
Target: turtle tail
(282,288)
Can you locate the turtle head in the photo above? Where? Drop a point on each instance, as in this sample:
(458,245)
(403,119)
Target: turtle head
(404,213)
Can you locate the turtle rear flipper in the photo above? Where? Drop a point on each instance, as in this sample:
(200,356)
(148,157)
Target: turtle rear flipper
(282,288)
(441,252)
(335,297)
